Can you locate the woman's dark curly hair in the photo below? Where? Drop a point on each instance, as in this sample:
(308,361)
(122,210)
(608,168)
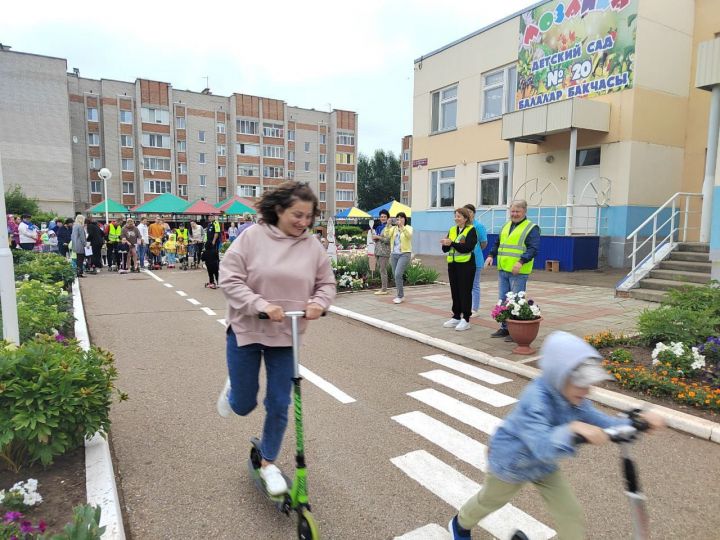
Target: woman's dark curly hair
(283,197)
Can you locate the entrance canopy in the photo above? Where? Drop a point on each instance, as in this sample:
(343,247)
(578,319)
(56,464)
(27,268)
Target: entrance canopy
(393,207)
(352,212)
(114,207)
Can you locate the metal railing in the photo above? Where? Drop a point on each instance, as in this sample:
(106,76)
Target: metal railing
(557,220)
(664,228)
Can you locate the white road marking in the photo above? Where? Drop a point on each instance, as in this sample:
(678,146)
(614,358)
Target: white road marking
(455,488)
(149,273)
(469,388)
(447,438)
(181,293)
(473,371)
(433,531)
(208,311)
(467,414)
(324,385)
(222,321)
(168,285)
(193,301)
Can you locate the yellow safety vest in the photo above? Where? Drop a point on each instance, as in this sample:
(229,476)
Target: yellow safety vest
(453,255)
(114,233)
(182,233)
(216,226)
(512,246)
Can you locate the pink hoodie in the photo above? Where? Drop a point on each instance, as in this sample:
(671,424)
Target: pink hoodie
(264,266)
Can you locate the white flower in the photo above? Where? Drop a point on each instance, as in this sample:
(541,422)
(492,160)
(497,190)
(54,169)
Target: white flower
(515,312)
(521,294)
(522,302)
(535,310)
(698,363)
(659,347)
(510,295)
(499,303)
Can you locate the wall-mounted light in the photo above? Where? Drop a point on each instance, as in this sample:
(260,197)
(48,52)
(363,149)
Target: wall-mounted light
(549,158)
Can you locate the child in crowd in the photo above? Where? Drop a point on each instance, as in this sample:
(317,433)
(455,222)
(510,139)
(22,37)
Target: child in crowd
(73,256)
(181,252)
(170,248)
(156,254)
(123,251)
(104,256)
(540,431)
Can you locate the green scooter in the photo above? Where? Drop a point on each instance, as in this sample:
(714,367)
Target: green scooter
(296,498)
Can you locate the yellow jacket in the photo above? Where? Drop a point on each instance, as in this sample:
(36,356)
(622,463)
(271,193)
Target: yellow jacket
(170,246)
(405,237)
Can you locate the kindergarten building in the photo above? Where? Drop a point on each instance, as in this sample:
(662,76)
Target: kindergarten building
(594,111)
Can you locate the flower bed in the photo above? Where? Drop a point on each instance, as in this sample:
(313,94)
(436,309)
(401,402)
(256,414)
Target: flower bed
(352,273)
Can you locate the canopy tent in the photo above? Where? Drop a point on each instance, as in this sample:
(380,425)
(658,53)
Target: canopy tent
(352,212)
(167,203)
(224,205)
(393,207)
(114,207)
(202,208)
(238,208)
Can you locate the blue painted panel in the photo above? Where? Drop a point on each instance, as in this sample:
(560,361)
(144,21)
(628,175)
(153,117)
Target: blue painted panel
(435,220)
(573,252)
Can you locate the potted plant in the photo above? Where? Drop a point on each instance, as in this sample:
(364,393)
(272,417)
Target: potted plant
(522,317)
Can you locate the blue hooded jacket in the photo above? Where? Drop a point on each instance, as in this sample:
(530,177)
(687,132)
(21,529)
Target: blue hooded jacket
(535,435)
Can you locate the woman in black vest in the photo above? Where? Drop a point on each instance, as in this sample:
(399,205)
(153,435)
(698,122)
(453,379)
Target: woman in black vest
(459,245)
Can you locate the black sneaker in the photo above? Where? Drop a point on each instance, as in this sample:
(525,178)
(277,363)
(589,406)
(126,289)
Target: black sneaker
(500,332)
(509,339)
(456,531)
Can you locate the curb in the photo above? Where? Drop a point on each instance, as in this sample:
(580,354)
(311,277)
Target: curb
(99,475)
(699,427)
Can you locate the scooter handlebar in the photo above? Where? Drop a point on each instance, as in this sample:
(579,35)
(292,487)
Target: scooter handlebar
(265,316)
(623,433)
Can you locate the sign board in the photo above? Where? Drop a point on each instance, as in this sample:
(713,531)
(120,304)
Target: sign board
(575,48)
(422,162)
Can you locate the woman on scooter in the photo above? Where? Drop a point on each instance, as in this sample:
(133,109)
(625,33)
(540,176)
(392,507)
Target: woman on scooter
(274,267)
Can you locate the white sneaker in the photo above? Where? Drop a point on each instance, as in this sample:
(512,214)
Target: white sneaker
(451,323)
(223,405)
(397,300)
(462,325)
(475,313)
(275,483)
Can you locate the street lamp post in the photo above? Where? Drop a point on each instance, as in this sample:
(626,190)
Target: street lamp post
(105,175)
(11,331)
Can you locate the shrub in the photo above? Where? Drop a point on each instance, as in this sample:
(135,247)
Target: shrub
(677,359)
(607,339)
(84,526)
(621,356)
(694,298)
(673,323)
(45,267)
(52,395)
(42,307)
(350,230)
(416,273)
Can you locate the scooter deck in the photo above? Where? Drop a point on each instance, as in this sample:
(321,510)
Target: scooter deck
(279,500)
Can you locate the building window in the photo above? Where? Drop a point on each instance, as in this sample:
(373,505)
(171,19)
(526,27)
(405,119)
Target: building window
(345,137)
(128,188)
(323,138)
(323,159)
(221,150)
(291,135)
(343,158)
(179,122)
(182,190)
(247,127)
(222,193)
(406,155)
(444,109)
(248,170)
(274,151)
(307,166)
(126,117)
(128,164)
(404,200)
(493,184)
(222,171)
(291,174)
(182,168)
(202,180)
(248,149)
(442,188)
(95,186)
(272,172)
(156,164)
(291,155)
(154,116)
(126,141)
(344,176)
(181,146)
(404,186)
(322,196)
(92,114)
(155,141)
(93,139)
(220,127)
(273,130)
(405,171)
(248,191)
(307,147)
(499,92)
(201,158)
(158,186)
(201,136)
(321,177)
(344,195)
(588,157)
(95,163)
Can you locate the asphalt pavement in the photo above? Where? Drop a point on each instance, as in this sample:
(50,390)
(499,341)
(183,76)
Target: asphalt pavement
(394,462)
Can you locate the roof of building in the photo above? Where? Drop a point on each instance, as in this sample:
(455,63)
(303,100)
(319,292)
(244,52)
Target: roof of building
(201,208)
(167,203)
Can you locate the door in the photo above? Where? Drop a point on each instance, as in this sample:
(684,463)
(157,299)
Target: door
(584,219)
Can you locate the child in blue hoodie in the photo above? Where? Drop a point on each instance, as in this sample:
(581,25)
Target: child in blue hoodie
(539,432)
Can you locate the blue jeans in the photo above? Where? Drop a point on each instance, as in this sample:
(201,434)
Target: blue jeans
(244,370)
(507,282)
(476,289)
(141,251)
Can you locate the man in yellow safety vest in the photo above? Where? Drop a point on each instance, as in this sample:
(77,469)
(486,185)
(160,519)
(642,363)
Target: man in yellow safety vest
(113,241)
(515,250)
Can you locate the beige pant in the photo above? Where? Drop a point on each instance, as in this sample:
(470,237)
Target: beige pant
(553,488)
(382,263)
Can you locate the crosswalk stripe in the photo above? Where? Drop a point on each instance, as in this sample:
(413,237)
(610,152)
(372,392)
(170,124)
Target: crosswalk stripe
(473,371)
(193,301)
(455,488)
(326,386)
(168,285)
(447,438)
(208,311)
(467,414)
(181,293)
(148,272)
(433,531)
(221,321)
(469,388)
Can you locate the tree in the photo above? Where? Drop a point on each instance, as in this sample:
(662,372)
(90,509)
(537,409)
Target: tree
(378,179)
(16,202)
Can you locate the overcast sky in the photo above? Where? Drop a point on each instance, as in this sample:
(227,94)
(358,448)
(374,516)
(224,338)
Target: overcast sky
(313,54)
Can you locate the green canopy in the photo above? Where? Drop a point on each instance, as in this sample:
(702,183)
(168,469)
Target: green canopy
(167,203)
(238,208)
(114,207)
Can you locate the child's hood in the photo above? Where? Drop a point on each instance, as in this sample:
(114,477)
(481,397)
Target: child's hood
(561,353)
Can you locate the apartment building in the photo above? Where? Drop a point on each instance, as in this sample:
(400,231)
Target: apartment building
(157,139)
(406,170)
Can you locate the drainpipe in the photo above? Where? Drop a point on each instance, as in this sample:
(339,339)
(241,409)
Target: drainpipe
(571,181)
(710,164)
(510,171)
(11,331)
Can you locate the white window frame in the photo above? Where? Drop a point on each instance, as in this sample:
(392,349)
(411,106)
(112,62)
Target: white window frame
(95,163)
(307,147)
(222,171)
(345,176)
(323,138)
(321,177)
(201,158)
(248,167)
(322,197)
(93,139)
(345,138)
(273,171)
(436,175)
(502,180)
(124,113)
(95,186)
(406,155)
(246,146)
(155,140)
(156,164)
(125,190)
(222,195)
(291,155)
(182,190)
(182,168)
(157,187)
(180,122)
(124,139)
(508,84)
(92,116)
(291,135)
(201,135)
(342,194)
(290,174)
(152,115)
(221,150)
(248,190)
(202,180)
(437,117)
(247,127)
(344,158)
(220,127)
(273,130)
(323,159)
(127,164)
(306,167)
(182,146)
(272,151)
